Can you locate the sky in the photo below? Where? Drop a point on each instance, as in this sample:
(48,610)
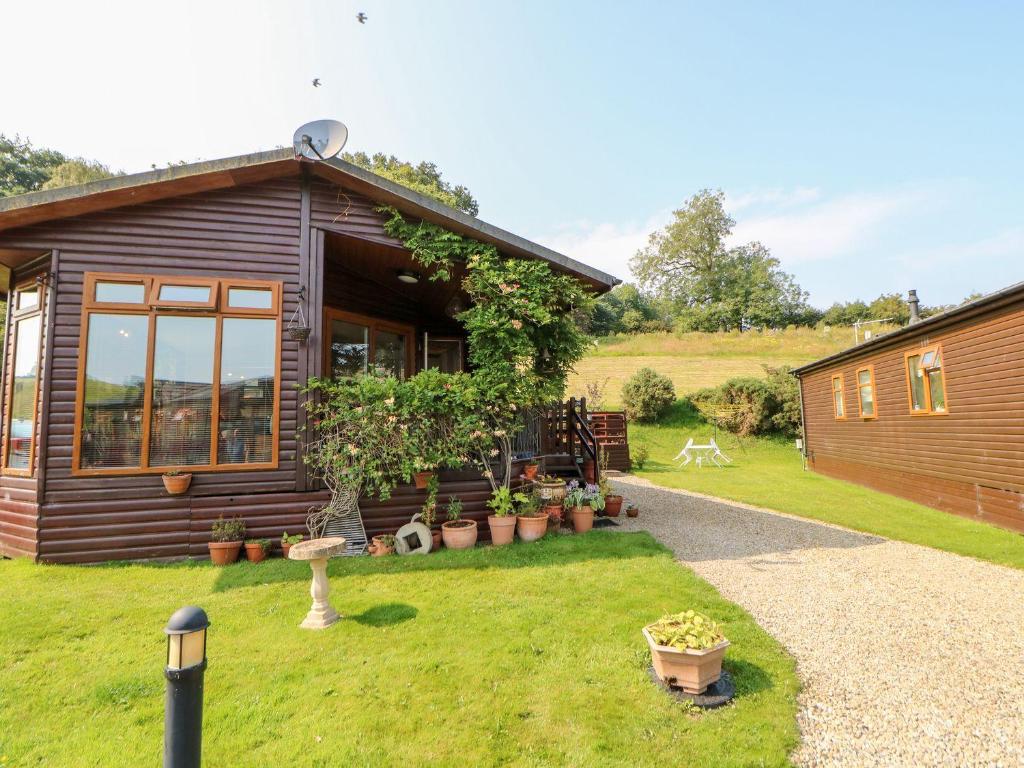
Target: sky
(873,147)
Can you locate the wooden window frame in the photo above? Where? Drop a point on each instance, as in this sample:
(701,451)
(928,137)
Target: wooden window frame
(188,282)
(89,291)
(921,352)
(152,310)
(227,285)
(427,339)
(842,396)
(373,324)
(15,316)
(874,393)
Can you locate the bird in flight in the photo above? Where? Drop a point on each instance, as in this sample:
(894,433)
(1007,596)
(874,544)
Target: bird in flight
(361,17)
(316,82)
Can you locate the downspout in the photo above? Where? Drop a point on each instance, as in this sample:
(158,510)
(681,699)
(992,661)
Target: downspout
(803,421)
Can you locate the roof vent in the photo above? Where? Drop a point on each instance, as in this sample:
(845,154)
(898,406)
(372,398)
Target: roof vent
(915,307)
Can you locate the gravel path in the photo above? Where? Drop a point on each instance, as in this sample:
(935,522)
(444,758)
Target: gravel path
(908,656)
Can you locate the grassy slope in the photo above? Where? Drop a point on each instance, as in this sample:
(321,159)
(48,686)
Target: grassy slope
(524,655)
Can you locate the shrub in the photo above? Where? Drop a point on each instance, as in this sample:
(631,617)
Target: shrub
(639,454)
(759,406)
(228,530)
(647,395)
(688,629)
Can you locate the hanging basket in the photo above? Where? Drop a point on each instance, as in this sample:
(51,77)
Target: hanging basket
(298,329)
(299,333)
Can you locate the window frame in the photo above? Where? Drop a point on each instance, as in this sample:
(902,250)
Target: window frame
(428,339)
(870,368)
(921,352)
(227,285)
(89,291)
(187,282)
(373,324)
(152,310)
(842,396)
(14,317)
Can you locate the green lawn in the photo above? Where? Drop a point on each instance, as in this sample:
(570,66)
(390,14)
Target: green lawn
(769,473)
(523,655)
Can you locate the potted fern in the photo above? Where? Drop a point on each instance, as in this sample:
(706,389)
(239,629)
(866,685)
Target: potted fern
(687,650)
(226,540)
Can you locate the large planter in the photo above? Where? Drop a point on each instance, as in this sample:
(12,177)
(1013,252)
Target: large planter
(177,484)
(224,552)
(459,534)
(503,529)
(532,527)
(691,670)
(551,491)
(612,505)
(582,519)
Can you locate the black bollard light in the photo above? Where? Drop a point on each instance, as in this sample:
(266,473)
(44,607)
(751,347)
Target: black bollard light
(183,707)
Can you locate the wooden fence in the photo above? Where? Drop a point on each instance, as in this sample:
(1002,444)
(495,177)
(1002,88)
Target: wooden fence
(609,427)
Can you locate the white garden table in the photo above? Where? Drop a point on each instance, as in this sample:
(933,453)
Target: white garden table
(317,552)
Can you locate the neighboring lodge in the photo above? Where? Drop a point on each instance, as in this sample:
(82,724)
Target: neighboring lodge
(933,412)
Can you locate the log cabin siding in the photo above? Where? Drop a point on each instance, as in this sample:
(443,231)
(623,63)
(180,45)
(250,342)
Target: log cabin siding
(970,460)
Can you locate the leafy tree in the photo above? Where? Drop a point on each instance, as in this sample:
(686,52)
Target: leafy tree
(713,286)
(78,171)
(424,178)
(26,169)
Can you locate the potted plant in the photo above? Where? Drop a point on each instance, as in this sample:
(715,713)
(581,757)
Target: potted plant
(582,502)
(687,650)
(287,541)
(256,550)
(428,514)
(533,523)
(503,520)
(382,545)
(226,540)
(422,478)
(551,489)
(632,511)
(456,532)
(531,468)
(612,500)
(176,482)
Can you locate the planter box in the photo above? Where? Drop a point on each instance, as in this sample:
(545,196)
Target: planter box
(693,671)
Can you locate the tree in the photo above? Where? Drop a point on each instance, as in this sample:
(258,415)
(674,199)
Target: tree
(26,169)
(424,178)
(713,286)
(78,171)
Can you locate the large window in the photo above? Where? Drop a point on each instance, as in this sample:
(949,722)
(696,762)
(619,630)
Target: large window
(866,392)
(23,391)
(177,372)
(926,382)
(444,354)
(839,407)
(357,342)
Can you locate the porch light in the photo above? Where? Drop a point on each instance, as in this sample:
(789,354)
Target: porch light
(186,667)
(408,277)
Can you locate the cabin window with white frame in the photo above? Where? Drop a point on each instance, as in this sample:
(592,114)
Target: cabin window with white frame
(839,407)
(926,381)
(866,392)
(177,373)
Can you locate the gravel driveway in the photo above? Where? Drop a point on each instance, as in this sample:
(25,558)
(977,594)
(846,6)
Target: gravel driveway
(908,656)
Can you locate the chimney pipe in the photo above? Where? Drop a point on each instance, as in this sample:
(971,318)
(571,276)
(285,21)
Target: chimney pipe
(915,307)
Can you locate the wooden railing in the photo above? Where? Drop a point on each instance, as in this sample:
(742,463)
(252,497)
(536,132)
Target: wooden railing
(610,429)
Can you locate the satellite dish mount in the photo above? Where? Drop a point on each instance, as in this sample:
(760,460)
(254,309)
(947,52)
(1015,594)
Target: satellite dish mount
(320,139)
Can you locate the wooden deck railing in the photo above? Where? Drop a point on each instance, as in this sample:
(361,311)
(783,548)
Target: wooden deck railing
(609,427)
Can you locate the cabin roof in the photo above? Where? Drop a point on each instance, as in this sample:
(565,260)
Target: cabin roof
(47,205)
(963,312)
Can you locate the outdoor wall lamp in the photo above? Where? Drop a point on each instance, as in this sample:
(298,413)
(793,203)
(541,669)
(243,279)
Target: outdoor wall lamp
(408,277)
(183,706)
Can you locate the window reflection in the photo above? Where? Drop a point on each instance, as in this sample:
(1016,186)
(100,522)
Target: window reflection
(247,379)
(389,352)
(350,348)
(23,400)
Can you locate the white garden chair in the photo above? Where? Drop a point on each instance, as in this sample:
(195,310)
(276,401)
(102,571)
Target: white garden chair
(701,454)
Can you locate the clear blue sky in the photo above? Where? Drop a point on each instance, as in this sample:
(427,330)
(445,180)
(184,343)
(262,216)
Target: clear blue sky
(873,147)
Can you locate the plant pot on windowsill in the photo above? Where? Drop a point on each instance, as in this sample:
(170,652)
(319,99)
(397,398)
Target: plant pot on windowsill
(176,483)
(459,534)
(689,669)
(532,527)
(503,529)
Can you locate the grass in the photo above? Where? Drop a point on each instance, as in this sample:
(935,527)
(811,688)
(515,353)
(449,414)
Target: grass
(523,655)
(769,473)
(696,360)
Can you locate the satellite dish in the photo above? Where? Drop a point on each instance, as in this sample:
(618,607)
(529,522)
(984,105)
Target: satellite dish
(320,139)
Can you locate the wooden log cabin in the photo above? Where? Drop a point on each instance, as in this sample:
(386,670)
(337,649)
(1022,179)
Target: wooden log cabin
(932,412)
(147,329)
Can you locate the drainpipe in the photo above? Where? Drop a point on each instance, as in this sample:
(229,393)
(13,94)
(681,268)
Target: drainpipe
(803,420)
(915,307)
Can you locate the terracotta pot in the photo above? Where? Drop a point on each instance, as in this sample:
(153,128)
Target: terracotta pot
(435,537)
(582,519)
(531,471)
(588,471)
(552,491)
(421,479)
(691,670)
(224,552)
(612,505)
(255,553)
(632,512)
(177,484)
(554,513)
(378,548)
(503,529)
(458,535)
(285,548)
(532,527)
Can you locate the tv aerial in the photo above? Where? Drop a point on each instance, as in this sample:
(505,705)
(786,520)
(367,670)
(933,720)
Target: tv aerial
(320,139)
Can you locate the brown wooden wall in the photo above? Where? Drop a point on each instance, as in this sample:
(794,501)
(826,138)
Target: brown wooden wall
(252,231)
(969,461)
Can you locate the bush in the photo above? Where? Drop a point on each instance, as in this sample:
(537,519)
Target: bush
(647,395)
(638,455)
(761,406)
(688,629)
